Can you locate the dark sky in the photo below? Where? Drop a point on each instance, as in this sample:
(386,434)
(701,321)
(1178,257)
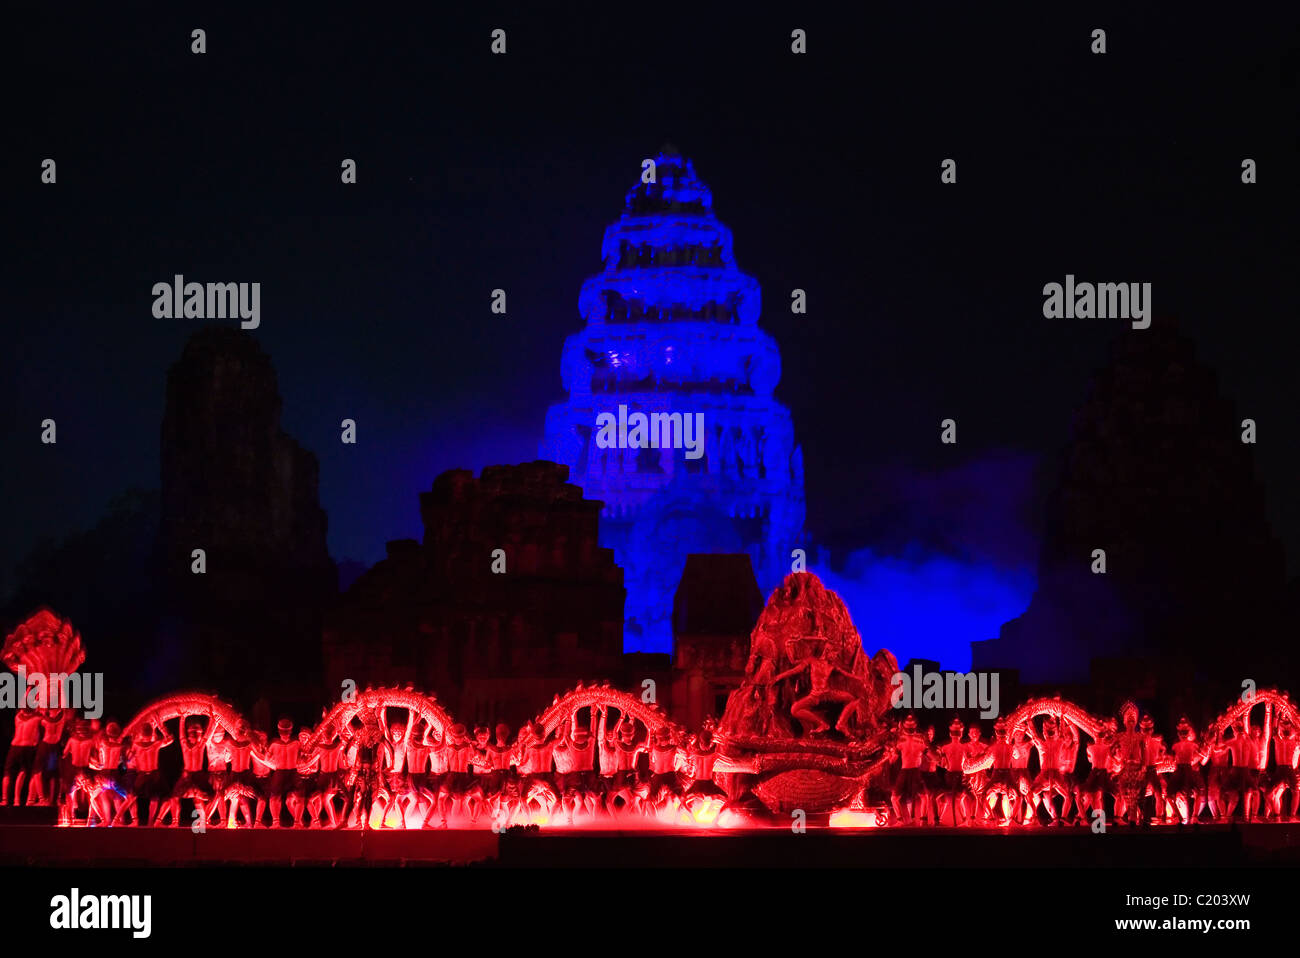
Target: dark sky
(478,171)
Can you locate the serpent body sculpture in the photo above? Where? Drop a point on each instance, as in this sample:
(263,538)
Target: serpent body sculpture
(587,696)
(1060,708)
(417,703)
(1279,701)
(180,704)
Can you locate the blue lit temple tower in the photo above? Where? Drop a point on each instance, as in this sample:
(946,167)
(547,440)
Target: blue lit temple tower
(672,327)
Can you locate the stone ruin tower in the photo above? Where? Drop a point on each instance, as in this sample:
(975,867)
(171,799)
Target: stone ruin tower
(671,326)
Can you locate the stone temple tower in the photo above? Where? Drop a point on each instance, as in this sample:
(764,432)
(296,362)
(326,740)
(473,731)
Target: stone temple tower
(671,326)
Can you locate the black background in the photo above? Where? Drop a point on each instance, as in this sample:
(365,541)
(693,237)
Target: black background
(478,171)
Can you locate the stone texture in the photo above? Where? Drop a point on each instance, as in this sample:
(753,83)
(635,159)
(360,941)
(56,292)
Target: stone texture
(492,647)
(716,607)
(235,485)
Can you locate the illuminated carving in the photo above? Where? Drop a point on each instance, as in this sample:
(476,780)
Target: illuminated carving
(810,729)
(44,644)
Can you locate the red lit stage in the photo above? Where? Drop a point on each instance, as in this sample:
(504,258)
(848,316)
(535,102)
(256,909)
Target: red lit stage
(642,789)
(1201,846)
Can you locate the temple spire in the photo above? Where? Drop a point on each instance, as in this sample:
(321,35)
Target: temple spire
(671,330)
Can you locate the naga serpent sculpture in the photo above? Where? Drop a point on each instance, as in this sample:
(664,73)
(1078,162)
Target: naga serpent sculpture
(180,704)
(1271,699)
(586,696)
(1059,708)
(1081,718)
(45,643)
(418,704)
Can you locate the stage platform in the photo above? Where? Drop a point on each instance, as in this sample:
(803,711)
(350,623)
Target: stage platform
(1203,846)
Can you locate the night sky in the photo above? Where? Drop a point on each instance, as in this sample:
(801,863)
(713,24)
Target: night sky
(478,171)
